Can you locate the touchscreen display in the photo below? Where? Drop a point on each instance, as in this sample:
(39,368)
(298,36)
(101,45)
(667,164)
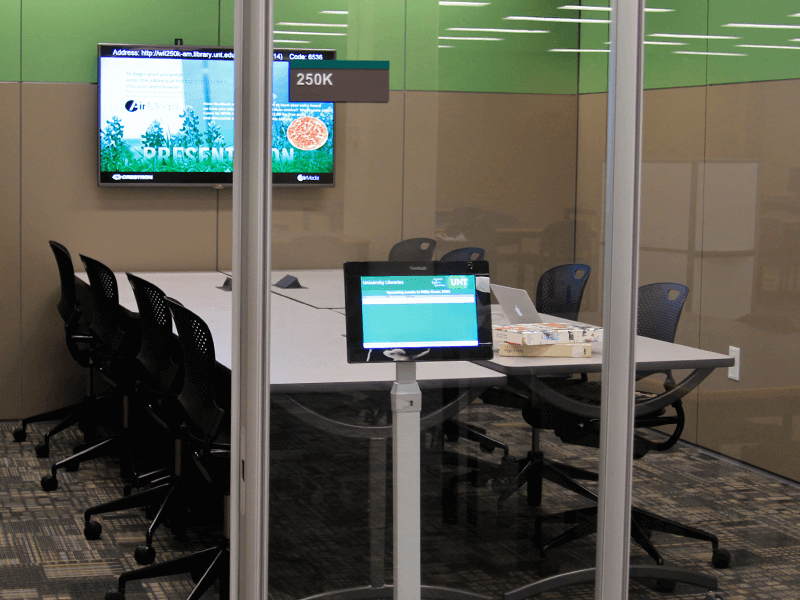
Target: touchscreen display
(419,311)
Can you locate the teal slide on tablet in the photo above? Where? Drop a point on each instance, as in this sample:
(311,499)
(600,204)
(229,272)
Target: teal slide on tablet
(409,311)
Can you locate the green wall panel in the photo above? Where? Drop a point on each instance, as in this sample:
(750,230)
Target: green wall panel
(510,62)
(9,40)
(226,22)
(662,67)
(375,30)
(760,64)
(59,39)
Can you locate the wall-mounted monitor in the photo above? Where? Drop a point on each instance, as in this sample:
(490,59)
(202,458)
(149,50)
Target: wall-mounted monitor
(302,132)
(165,115)
(166,119)
(420,311)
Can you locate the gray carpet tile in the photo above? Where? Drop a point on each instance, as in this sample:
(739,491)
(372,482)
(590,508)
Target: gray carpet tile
(321,537)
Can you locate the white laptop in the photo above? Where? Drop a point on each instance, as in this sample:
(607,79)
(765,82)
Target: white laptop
(517,305)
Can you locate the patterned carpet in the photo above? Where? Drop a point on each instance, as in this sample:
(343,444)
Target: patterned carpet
(320,512)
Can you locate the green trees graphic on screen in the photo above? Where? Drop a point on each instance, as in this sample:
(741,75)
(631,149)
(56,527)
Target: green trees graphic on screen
(190,149)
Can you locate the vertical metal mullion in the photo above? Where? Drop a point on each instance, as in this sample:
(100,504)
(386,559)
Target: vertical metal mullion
(623,166)
(252,207)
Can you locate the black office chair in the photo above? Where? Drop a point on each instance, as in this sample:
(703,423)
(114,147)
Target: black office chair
(559,293)
(205,402)
(560,290)
(160,378)
(117,337)
(573,414)
(76,308)
(463,254)
(415,249)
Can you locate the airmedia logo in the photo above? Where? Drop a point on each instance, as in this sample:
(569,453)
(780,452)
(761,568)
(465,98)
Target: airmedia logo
(133,105)
(302,177)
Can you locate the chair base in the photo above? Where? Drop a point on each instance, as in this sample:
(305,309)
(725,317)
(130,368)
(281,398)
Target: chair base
(387,591)
(206,567)
(662,575)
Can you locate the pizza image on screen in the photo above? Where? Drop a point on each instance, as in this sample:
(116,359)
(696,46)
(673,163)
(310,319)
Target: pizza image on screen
(307,133)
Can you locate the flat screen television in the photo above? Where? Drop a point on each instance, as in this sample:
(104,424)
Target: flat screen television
(420,311)
(166,119)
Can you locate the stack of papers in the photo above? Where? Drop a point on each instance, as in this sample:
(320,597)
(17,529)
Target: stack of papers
(540,334)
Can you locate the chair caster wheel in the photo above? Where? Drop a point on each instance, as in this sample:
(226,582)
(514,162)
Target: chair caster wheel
(72,467)
(665,585)
(20,435)
(144,555)
(715,596)
(42,450)
(114,595)
(49,483)
(721,558)
(92,530)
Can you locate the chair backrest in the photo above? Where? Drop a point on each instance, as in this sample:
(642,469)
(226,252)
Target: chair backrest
(464,254)
(199,363)
(413,249)
(68,304)
(106,319)
(560,290)
(658,314)
(158,349)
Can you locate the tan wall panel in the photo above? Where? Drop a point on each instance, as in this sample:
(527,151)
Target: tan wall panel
(420,169)
(9,250)
(126,228)
(225,230)
(589,197)
(752,301)
(504,176)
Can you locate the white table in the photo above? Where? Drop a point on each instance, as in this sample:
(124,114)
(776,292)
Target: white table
(321,288)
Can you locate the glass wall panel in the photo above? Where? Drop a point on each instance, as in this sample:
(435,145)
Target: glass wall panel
(477,147)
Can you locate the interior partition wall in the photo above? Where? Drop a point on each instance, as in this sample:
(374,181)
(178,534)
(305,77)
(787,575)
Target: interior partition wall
(719,197)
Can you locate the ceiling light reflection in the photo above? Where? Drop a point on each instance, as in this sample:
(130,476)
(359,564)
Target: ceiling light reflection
(489,30)
(761,26)
(556,19)
(608,8)
(472,39)
(709,53)
(688,36)
(306,33)
(579,50)
(770,47)
(288,24)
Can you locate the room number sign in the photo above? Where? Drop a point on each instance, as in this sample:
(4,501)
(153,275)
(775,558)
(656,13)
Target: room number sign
(339,81)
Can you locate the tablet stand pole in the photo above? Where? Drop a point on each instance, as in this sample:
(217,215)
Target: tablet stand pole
(406,406)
